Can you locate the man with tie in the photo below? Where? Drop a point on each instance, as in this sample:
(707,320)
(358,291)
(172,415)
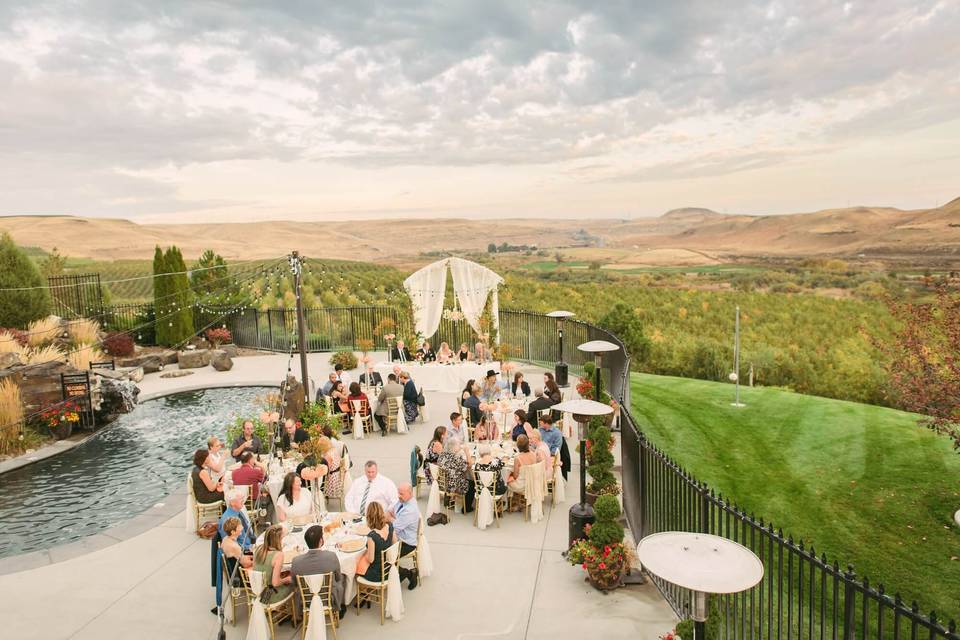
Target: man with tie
(235,503)
(400,352)
(373,488)
(405,515)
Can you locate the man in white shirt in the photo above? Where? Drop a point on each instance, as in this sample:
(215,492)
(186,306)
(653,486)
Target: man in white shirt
(342,376)
(405,515)
(456,428)
(372,488)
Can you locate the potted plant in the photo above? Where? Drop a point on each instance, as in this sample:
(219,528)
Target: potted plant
(218,336)
(600,461)
(602,554)
(346,358)
(61,418)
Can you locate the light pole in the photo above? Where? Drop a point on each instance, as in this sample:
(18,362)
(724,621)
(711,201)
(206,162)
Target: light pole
(581,514)
(560,370)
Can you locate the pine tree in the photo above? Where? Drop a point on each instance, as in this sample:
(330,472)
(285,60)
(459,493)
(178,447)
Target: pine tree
(18,308)
(160,290)
(180,322)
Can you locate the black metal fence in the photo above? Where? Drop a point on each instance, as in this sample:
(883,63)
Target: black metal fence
(76,296)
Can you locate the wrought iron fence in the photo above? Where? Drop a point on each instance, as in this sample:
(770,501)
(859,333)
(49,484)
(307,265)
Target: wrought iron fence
(76,296)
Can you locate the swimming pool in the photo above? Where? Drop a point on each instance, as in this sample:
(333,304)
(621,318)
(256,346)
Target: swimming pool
(119,473)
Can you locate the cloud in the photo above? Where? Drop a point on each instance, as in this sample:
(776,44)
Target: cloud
(102,90)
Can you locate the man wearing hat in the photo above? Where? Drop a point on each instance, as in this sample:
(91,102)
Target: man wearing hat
(491,387)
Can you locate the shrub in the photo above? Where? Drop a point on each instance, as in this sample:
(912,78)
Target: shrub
(346,358)
(218,336)
(43,330)
(11,340)
(17,271)
(606,528)
(600,458)
(118,345)
(84,331)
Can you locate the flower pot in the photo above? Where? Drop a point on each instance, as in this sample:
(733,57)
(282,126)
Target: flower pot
(591,498)
(609,579)
(63,430)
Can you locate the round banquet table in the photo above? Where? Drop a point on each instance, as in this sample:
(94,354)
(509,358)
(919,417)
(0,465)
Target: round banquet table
(503,410)
(293,546)
(448,378)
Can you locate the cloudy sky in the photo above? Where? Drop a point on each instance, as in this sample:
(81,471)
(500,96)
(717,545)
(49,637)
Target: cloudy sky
(186,111)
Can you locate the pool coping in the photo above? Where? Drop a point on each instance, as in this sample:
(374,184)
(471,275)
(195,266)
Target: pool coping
(170,505)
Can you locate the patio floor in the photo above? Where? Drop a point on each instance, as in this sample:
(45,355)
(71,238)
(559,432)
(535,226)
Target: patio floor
(509,582)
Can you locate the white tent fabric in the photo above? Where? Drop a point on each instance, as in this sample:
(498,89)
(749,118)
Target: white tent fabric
(472,283)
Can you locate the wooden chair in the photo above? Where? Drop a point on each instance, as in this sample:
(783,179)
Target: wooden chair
(468,423)
(276,612)
(552,477)
(447,496)
(499,501)
(369,591)
(531,474)
(394,405)
(239,594)
(331,614)
(414,555)
(204,511)
(362,408)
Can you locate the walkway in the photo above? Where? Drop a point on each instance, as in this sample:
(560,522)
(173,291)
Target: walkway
(509,582)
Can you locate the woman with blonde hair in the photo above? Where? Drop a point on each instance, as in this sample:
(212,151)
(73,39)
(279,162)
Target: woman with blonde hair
(444,355)
(523,457)
(379,539)
(216,460)
(269,560)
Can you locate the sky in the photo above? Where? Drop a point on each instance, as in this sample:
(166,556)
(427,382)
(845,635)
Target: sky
(165,111)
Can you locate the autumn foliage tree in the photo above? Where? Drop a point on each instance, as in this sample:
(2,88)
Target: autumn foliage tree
(924,357)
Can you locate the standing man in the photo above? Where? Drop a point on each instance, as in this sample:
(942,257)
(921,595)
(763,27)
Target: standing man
(342,376)
(373,488)
(405,515)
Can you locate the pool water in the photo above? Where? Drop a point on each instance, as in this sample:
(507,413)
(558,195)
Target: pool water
(119,473)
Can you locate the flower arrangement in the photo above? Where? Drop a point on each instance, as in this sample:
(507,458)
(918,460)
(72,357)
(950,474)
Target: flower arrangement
(670,635)
(365,345)
(218,336)
(346,358)
(390,336)
(585,388)
(602,554)
(62,414)
(454,315)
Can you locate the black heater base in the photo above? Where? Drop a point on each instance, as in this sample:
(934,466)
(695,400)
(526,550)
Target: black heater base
(580,516)
(560,374)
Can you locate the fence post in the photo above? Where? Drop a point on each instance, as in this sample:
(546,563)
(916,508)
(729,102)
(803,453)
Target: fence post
(849,602)
(641,477)
(353,331)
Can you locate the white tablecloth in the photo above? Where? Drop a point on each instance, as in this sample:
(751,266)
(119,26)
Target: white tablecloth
(449,378)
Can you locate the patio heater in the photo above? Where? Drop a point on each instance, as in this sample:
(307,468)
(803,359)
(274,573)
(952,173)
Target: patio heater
(560,370)
(597,348)
(581,514)
(703,564)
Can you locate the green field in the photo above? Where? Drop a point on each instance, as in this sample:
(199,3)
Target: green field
(863,484)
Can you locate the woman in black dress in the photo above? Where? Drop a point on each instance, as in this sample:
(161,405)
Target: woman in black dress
(379,539)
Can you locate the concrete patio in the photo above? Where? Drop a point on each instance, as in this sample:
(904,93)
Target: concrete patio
(152,580)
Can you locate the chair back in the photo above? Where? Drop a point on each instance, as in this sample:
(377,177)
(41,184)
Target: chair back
(534,488)
(485,480)
(318,585)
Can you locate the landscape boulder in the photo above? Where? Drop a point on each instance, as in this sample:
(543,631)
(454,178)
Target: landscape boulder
(231,350)
(168,356)
(8,360)
(134,374)
(115,397)
(193,359)
(220,360)
(150,363)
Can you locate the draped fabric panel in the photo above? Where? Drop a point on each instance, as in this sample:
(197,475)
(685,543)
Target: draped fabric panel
(424,557)
(258,628)
(425,288)
(485,501)
(395,607)
(433,500)
(317,627)
(191,520)
(472,283)
(347,476)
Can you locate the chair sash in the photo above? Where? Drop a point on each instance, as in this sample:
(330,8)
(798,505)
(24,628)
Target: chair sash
(258,629)
(347,478)
(401,419)
(424,557)
(319,500)
(317,627)
(191,519)
(534,482)
(485,500)
(394,593)
(433,500)
(559,486)
(357,420)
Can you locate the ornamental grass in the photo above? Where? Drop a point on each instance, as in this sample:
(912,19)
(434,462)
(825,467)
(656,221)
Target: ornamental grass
(43,331)
(83,355)
(11,416)
(84,331)
(41,355)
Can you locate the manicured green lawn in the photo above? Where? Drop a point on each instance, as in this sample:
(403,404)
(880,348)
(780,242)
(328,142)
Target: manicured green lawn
(863,484)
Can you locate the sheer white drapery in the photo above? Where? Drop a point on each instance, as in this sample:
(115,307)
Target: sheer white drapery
(258,628)
(317,626)
(485,501)
(394,593)
(534,488)
(357,420)
(192,524)
(347,477)
(559,486)
(433,500)
(401,419)
(472,283)
(424,557)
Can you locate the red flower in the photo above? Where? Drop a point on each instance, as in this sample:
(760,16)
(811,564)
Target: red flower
(602,566)
(584,565)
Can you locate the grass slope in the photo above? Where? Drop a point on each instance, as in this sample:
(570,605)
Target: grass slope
(864,484)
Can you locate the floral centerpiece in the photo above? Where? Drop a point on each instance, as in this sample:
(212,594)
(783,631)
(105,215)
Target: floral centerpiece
(454,315)
(61,418)
(602,554)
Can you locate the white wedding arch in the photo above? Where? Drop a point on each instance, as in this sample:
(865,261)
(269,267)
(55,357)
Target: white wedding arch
(472,283)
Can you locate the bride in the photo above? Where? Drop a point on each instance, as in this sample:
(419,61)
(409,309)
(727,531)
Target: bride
(294,500)
(444,355)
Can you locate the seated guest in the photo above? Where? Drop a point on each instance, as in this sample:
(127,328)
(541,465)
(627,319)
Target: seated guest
(236,500)
(551,435)
(247,441)
(464,354)
(317,561)
(400,353)
(411,407)
(342,375)
(216,462)
(539,447)
(472,402)
(380,538)
(373,487)
(551,390)
(293,436)
(482,355)
(356,394)
(248,475)
(457,429)
(487,429)
(371,378)
(425,353)
(524,457)
(444,354)
(455,461)
(269,560)
(519,387)
(393,389)
(339,398)
(520,425)
(434,449)
(232,553)
(540,403)
(205,488)
(467,390)
(486,462)
(327,387)
(491,387)
(405,516)
(295,500)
